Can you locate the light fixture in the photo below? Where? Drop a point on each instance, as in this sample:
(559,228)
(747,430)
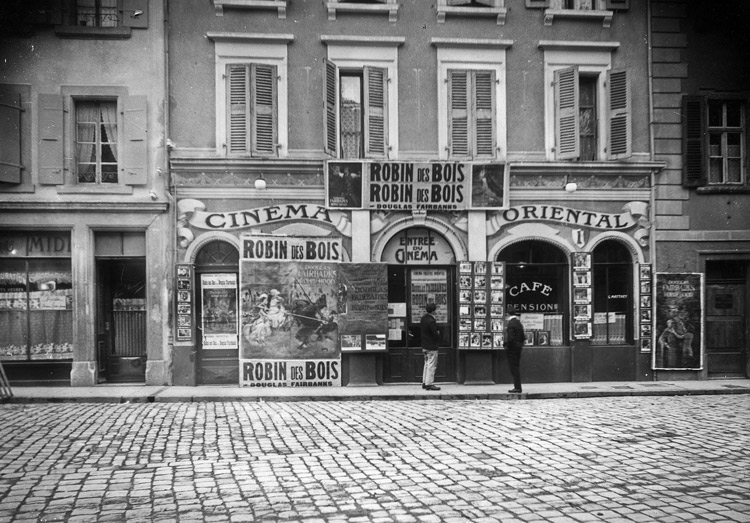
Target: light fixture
(571,187)
(260,182)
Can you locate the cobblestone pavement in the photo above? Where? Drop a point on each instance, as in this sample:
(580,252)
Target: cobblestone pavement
(636,459)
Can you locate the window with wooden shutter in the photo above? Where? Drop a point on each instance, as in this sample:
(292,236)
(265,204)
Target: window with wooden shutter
(458,113)
(567,131)
(51,170)
(618,89)
(252,109)
(263,110)
(693,164)
(375,107)
(135,156)
(471,113)
(330,101)
(10,137)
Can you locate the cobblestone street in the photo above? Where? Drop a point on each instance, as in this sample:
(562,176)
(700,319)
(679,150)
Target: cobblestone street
(600,459)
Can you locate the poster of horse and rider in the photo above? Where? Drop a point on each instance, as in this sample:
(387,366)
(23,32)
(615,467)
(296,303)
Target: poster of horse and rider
(293,315)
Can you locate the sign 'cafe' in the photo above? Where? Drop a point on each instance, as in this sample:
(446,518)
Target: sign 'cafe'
(392,236)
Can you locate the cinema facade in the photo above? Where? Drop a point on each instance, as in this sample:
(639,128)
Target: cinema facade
(320,277)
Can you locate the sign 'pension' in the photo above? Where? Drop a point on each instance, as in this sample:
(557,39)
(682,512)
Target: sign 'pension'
(439,186)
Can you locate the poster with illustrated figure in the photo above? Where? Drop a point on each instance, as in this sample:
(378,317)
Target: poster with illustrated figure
(679,319)
(294,315)
(219,311)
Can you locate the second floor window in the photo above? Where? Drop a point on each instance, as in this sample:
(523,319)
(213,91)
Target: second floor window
(96,141)
(578,116)
(252,109)
(471,113)
(356,112)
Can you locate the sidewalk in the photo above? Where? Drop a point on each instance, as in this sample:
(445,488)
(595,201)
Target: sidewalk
(451,391)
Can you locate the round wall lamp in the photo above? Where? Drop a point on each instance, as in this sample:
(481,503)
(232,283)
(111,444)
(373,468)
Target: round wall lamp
(569,187)
(260,182)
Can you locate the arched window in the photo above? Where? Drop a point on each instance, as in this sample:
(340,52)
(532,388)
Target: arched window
(613,294)
(217,253)
(537,286)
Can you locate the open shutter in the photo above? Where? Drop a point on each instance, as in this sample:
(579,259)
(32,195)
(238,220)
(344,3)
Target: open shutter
(693,141)
(238,108)
(376,112)
(567,125)
(10,137)
(134,158)
(135,13)
(458,113)
(620,132)
(51,170)
(331,102)
(484,123)
(263,111)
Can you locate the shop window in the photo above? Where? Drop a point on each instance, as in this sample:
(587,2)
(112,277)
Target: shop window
(252,100)
(357,124)
(612,294)
(715,143)
(36,301)
(109,142)
(101,18)
(360,103)
(537,289)
(15,127)
(251,94)
(587,107)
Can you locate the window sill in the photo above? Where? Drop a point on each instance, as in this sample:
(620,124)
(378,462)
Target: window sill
(73,31)
(94,189)
(279,5)
(499,12)
(723,189)
(20,188)
(391,9)
(604,16)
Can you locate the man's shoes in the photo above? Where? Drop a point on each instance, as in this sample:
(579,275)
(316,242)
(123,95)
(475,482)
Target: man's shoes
(515,391)
(430,387)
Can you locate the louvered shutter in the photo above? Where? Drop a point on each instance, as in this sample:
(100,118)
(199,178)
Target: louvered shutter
(567,125)
(134,159)
(135,13)
(10,137)
(238,104)
(458,113)
(376,112)
(263,111)
(51,170)
(693,141)
(620,132)
(330,113)
(484,121)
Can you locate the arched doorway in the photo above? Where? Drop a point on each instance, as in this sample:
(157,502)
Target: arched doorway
(421,269)
(216,280)
(537,276)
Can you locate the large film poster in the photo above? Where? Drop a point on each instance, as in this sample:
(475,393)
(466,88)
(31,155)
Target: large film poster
(679,321)
(219,311)
(294,314)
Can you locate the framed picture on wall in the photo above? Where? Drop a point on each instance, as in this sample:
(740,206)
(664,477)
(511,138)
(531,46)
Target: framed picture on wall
(530,337)
(582,260)
(542,338)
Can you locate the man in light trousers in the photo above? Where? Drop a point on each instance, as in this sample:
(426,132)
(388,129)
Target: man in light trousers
(430,343)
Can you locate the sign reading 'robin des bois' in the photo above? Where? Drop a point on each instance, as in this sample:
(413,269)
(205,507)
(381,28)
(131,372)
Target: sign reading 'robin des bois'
(407,186)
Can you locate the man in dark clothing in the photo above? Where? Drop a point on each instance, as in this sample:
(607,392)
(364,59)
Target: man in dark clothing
(430,343)
(514,340)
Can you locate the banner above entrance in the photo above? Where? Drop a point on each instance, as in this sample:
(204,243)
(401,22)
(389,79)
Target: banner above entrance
(406,186)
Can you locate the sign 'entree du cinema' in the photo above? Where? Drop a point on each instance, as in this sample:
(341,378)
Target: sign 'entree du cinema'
(406,186)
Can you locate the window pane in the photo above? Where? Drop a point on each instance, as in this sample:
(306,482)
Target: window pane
(109,173)
(734,171)
(715,113)
(351,116)
(734,113)
(108,15)
(86,173)
(734,142)
(51,309)
(13,306)
(714,144)
(715,170)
